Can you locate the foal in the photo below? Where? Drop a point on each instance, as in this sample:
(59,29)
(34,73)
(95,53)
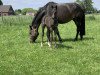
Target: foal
(51,23)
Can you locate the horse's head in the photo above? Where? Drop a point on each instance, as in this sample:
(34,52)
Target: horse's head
(35,25)
(33,33)
(51,9)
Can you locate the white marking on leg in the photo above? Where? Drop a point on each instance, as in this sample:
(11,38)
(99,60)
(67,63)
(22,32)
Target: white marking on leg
(41,44)
(49,44)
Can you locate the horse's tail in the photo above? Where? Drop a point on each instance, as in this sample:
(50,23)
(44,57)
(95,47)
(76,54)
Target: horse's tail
(82,28)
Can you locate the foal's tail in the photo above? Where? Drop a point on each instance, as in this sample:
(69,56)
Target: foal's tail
(82,28)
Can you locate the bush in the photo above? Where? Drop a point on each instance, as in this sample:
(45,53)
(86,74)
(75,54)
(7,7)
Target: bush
(92,17)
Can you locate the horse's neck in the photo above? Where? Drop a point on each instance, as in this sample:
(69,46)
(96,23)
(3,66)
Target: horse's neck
(38,18)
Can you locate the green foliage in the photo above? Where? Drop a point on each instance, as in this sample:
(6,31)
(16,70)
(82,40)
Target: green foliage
(88,4)
(18,11)
(20,57)
(25,10)
(1,3)
(79,1)
(98,11)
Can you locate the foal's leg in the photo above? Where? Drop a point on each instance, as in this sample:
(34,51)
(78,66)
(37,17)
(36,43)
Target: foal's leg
(48,36)
(51,37)
(55,38)
(42,35)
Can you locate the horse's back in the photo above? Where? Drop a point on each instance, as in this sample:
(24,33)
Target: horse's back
(68,11)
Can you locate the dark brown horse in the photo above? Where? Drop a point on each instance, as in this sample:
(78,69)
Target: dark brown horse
(65,13)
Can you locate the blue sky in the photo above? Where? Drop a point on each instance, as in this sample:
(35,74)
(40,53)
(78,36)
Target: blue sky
(20,4)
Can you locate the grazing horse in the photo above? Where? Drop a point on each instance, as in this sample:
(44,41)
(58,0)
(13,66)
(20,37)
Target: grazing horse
(65,13)
(50,22)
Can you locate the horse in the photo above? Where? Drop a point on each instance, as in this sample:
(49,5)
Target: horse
(50,22)
(65,13)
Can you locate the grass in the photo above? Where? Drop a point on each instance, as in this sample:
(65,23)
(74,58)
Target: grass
(19,57)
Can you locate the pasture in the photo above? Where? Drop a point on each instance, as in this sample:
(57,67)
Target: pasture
(20,57)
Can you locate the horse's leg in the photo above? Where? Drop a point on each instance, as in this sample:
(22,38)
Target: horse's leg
(76,38)
(81,36)
(78,28)
(42,35)
(57,32)
(82,27)
(55,38)
(48,36)
(51,37)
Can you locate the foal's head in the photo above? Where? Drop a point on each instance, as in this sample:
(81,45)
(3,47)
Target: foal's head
(51,10)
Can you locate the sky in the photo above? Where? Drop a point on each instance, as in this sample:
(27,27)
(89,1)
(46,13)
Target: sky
(35,4)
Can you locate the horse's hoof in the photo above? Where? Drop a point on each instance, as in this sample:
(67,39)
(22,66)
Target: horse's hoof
(60,42)
(75,39)
(81,39)
(56,46)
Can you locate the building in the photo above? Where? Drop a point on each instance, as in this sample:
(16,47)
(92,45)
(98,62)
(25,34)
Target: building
(30,13)
(6,10)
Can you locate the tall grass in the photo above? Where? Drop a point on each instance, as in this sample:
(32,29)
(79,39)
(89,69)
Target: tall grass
(15,20)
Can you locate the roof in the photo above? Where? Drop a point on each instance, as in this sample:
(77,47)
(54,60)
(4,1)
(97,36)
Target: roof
(5,8)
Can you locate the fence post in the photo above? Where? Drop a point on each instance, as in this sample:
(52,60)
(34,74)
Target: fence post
(2,17)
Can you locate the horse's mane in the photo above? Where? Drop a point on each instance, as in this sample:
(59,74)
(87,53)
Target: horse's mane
(80,6)
(41,12)
(36,15)
(45,6)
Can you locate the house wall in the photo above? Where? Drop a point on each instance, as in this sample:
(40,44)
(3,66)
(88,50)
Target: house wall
(4,14)
(10,12)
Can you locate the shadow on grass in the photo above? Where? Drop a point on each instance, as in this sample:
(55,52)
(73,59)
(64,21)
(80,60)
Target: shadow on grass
(64,46)
(72,40)
(66,40)
(88,38)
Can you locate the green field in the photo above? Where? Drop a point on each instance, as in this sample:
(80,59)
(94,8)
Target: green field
(19,57)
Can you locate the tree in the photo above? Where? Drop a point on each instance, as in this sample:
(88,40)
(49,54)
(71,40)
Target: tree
(98,11)
(88,6)
(1,3)
(25,10)
(18,11)
(78,1)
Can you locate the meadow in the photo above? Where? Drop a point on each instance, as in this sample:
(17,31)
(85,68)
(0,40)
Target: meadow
(20,57)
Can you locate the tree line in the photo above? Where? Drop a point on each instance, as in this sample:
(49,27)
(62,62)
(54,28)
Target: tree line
(24,11)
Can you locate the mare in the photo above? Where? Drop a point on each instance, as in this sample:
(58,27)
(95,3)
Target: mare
(65,13)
